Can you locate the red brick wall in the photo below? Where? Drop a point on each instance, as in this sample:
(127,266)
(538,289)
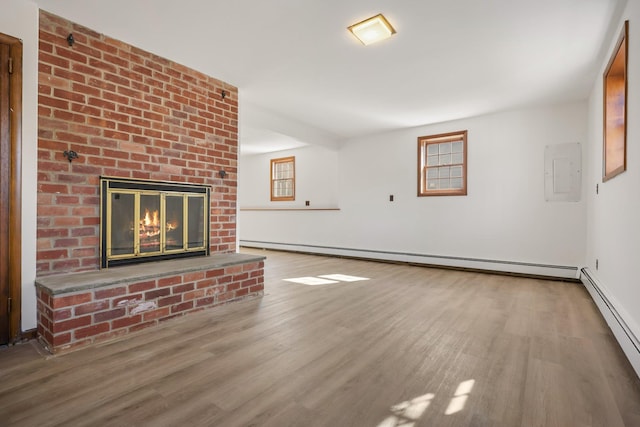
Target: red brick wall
(127,113)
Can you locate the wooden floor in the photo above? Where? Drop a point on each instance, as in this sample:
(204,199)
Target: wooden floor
(411,346)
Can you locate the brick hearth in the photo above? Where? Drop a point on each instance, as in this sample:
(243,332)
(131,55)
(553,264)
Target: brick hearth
(84,308)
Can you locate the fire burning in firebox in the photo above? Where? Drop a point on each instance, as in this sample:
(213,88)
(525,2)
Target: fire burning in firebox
(150,224)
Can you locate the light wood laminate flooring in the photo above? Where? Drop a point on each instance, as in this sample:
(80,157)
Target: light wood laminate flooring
(411,346)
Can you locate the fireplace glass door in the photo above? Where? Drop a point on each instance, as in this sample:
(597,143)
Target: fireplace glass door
(147,223)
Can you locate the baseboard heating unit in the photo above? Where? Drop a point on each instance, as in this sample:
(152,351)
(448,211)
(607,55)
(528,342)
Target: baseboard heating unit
(509,267)
(624,334)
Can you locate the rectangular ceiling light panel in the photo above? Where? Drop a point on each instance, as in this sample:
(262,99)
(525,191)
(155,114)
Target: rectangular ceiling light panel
(372,30)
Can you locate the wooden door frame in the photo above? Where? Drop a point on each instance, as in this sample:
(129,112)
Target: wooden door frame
(15,187)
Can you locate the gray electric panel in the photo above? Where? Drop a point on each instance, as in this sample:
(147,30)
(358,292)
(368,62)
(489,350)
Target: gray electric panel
(562,172)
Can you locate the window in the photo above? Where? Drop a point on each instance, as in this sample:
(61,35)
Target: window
(615,110)
(442,164)
(283,179)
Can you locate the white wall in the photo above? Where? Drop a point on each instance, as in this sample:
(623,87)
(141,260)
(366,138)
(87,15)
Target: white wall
(316,178)
(504,217)
(19,19)
(613,215)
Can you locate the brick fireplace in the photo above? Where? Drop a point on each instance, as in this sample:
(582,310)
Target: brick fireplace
(127,114)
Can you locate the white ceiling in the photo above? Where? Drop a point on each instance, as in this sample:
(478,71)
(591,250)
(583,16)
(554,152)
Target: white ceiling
(304,79)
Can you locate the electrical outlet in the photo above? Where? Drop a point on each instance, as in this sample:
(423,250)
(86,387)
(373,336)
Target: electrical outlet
(597,263)
(391,198)
(597,188)
(307,203)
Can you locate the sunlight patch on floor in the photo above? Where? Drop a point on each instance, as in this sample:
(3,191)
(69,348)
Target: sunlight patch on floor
(406,414)
(460,397)
(343,277)
(325,279)
(311,281)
